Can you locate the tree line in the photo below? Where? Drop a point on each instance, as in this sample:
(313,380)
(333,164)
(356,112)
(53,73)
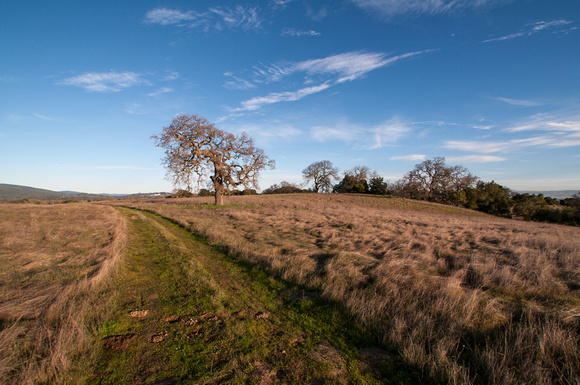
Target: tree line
(434,181)
(197,151)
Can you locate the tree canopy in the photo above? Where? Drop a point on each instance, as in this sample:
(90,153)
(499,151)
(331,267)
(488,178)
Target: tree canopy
(435,181)
(195,147)
(322,174)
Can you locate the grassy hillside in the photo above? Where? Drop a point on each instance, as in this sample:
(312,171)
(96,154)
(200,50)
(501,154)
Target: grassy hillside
(184,312)
(91,296)
(468,298)
(10,192)
(374,289)
(55,264)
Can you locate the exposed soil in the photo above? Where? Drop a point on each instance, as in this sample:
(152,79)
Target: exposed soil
(118,343)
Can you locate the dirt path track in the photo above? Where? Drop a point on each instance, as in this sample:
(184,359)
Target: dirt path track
(186,313)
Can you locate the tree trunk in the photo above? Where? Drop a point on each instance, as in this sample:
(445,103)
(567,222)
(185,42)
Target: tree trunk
(219,199)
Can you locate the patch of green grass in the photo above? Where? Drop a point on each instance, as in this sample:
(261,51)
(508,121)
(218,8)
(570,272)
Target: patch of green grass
(236,323)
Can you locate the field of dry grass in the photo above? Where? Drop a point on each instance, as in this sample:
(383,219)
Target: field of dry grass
(465,297)
(54,261)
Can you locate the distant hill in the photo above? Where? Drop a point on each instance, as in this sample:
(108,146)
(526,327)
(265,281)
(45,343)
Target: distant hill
(560,194)
(11,192)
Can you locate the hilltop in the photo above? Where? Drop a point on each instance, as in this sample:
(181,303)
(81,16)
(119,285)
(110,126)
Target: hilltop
(12,192)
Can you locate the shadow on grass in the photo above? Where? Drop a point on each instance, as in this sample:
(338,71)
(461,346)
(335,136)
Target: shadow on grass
(316,331)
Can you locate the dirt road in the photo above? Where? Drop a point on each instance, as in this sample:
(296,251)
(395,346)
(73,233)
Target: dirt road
(185,312)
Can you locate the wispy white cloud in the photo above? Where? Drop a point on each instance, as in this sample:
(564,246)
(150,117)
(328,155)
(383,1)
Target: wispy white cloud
(163,90)
(276,97)
(488,147)
(48,118)
(267,132)
(328,72)
(441,123)
(391,8)
(565,125)
(518,102)
(410,158)
(341,131)
(167,16)
(14,117)
(171,76)
(239,17)
(484,147)
(534,28)
(106,81)
(348,66)
(373,137)
(475,159)
(316,15)
(237,83)
(541,25)
(344,66)
(271,73)
(136,109)
(294,32)
(552,133)
(280,3)
(388,133)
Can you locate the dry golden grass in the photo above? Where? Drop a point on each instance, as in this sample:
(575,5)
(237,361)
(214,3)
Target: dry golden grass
(54,261)
(466,297)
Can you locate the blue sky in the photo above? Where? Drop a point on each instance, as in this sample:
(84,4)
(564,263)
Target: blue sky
(493,85)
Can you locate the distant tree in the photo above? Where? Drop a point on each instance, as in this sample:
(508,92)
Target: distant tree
(249,191)
(205,193)
(435,181)
(354,181)
(181,194)
(526,205)
(494,199)
(349,184)
(283,188)
(322,173)
(361,173)
(551,201)
(377,185)
(194,146)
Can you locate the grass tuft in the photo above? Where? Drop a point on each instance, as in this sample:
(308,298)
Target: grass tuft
(55,264)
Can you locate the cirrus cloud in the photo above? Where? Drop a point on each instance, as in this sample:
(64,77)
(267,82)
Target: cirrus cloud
(294,32)
(550,132)
(518,102)
(367,137)
(410,158)
(476,159)
(106,81)
(328,72)
(534,28)
(244,18)
(391,8)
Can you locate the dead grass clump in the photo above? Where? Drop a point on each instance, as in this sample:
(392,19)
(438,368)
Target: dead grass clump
(54,263)
(466,297)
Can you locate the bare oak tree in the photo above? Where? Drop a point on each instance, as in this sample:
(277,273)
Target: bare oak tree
(434,180)
(194,146)
(322,174)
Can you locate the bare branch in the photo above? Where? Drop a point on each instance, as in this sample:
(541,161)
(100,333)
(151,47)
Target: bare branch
(195,146)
